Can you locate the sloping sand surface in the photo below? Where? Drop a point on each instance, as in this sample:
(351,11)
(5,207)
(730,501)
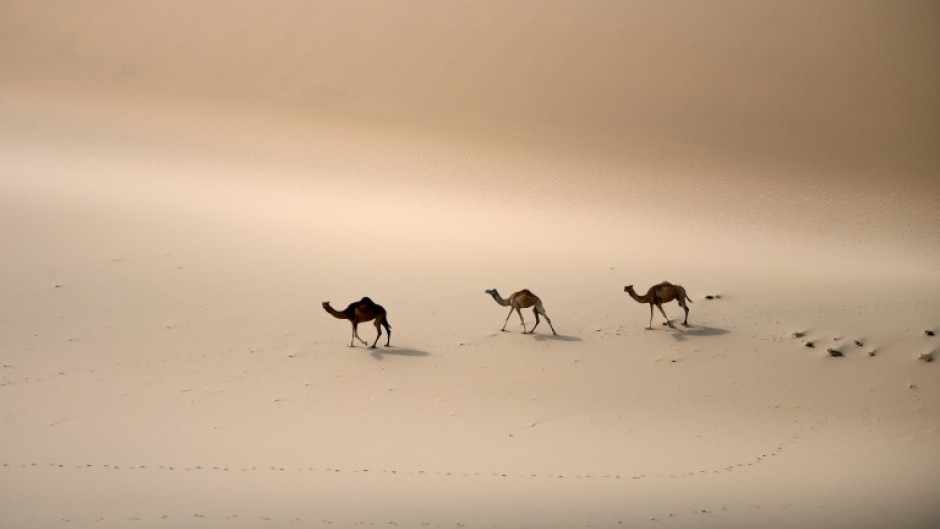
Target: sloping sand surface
(183,184)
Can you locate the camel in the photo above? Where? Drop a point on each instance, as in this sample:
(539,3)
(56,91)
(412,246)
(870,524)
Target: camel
(522,300)
(659,294)
(362,311)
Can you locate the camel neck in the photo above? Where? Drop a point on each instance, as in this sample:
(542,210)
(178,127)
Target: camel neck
(335,313)
(637,297)
(499,299)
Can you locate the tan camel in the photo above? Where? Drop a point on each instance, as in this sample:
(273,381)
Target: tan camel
(362,311)
(659,294)
(522,300)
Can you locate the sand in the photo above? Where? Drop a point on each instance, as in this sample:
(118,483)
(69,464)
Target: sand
(183,185)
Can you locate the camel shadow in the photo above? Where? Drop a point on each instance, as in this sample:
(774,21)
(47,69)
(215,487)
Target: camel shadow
(380,353)
(684,333)
(556,338)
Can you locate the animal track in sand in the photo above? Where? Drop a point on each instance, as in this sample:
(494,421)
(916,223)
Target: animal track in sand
(443,474)
(204,518)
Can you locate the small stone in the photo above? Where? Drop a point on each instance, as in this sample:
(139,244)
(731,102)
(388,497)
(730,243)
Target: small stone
(834,352)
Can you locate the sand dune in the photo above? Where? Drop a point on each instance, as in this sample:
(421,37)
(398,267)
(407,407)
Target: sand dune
(183,184)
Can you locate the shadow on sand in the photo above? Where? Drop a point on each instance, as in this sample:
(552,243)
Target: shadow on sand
(556,338)
(380,353)
(684,333)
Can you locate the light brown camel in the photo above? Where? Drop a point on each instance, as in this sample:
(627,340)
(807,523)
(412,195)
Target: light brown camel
(659,294)
(522,300)
(362,311)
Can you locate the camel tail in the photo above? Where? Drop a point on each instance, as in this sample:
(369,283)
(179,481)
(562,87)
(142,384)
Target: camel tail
(687,298)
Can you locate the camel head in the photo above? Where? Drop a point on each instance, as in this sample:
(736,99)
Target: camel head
(326,304)
(628,288)
(491,291)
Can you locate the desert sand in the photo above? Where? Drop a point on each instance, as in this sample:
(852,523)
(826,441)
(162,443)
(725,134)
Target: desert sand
(182,184)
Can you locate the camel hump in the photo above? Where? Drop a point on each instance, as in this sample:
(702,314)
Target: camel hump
(367,300)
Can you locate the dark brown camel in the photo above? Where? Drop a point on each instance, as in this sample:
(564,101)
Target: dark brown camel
(659,294)
(522,300)
(362,311)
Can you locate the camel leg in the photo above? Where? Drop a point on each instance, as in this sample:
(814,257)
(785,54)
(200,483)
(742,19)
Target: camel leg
(356,335)
(552,327)
(650,326)
(549,320)
(507,319)
(686,309)
(536,312)
(388,331)
(378,330)
(669,323)
(519,312)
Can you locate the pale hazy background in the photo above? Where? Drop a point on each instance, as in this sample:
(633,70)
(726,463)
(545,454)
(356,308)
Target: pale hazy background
(183,183)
